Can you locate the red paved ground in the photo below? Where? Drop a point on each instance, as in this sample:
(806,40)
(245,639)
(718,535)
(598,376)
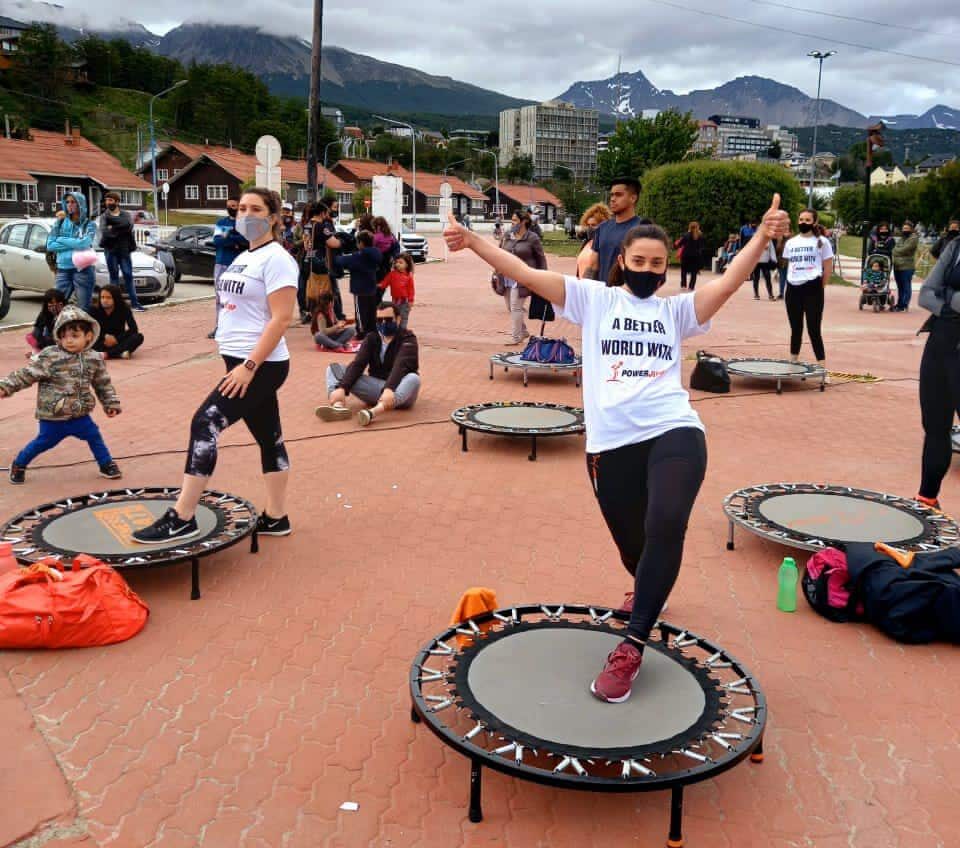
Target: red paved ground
(245,719)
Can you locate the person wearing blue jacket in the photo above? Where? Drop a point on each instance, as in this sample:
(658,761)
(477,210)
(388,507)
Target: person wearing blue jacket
(229,244)
(73,230)
(363,266)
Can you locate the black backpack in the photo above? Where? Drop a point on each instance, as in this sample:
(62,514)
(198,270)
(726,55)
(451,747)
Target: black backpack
(710,374)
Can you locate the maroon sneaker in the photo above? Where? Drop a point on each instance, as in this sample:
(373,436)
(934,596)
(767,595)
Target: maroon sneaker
(627,605)
(614,683)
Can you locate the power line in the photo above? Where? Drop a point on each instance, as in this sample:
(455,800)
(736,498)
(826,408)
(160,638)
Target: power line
(841,17)
(807,34)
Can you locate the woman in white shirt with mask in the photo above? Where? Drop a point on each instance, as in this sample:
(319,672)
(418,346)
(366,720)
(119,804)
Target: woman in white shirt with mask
(809,257)
(646,452)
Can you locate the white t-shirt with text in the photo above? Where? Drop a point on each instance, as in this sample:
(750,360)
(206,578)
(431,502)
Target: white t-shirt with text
(243,289)
(632,389)
(805,258)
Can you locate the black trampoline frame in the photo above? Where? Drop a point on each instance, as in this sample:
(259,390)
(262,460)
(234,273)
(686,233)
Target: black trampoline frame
(810,372)
(710,744)
(231,528)
(743,507)
(508,360)
(461,417)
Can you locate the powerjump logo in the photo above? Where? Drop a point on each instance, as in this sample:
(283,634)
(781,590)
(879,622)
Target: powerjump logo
(124,520)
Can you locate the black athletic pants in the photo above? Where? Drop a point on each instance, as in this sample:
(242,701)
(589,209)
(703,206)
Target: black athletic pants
(646,492)
(762,268)
(366,312)
(939,402)
(259,410)
(692,270)
(806,301)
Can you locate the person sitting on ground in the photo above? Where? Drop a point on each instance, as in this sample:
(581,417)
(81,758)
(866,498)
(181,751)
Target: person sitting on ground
(392,357)
(729,250)
(119,334)
(42,334)
(69,374)
(363,266)
(327,331)
(400,281)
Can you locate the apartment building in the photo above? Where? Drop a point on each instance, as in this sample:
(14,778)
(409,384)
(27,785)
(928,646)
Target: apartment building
(552,133)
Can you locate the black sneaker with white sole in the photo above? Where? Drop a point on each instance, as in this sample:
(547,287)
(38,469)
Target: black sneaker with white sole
(111,471)
(170,527)
(267,526)
(18,473)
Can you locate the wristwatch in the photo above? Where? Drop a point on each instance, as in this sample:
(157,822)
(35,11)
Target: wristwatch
(250,365)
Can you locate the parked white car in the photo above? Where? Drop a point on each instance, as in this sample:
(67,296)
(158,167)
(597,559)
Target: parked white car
(23,264)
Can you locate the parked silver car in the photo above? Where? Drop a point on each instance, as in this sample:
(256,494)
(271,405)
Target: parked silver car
(23,265)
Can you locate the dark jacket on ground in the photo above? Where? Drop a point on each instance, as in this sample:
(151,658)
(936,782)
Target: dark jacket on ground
(116,233)
(402,358)
(119,324)
(363,266)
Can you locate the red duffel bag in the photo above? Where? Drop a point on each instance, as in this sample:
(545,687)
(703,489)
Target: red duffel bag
(43,606)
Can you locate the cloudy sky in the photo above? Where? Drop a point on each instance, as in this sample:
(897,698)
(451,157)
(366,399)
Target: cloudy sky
(537,50)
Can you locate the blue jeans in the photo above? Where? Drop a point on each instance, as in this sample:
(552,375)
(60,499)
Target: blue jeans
(904,287)
(368,389)
(53,432)
(69,280)
(783,279)
(120,263)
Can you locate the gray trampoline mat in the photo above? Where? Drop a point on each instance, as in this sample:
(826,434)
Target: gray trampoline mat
(104,529)
(538,682)
(757,367)
(842,518)
(525,417)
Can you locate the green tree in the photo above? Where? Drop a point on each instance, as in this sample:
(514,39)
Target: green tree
(519,170)
(720,195)
(575,196)
(895,203)
(643,143)
(39,71)
(360,196)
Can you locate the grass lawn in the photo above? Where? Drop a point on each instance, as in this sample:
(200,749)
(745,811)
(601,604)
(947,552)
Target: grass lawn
(851,246)
(558,244)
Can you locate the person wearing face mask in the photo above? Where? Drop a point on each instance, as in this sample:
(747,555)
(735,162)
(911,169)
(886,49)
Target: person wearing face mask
(881,241)
(257,293)
(391,358)
(116,239)
(953,230)
(809,260)
(229,245)
(525,244)
(904,265)
(646,450)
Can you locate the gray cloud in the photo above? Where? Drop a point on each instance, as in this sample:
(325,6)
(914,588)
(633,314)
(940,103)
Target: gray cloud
(537,50)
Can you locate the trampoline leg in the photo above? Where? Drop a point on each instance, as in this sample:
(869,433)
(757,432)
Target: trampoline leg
(254,542)
(533,452)
(675,838)
(476,809)
(779,388)
(757,755)
(414,716)
(491,370)
(524,377)
(463,435)
(730,538)
(576,378)
(195,579)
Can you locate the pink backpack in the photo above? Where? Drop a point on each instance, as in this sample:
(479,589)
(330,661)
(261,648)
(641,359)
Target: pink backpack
(826,586)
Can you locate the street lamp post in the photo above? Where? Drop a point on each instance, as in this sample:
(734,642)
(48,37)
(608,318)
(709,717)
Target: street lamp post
(413,139)
(153,143)
(329,144)
(819,56)
(496,177)
(447,168)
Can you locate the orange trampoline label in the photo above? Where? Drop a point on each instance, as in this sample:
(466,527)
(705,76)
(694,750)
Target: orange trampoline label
(124,520)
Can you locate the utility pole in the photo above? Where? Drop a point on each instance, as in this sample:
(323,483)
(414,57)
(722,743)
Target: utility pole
(314,115)
(819,56)
(874,137)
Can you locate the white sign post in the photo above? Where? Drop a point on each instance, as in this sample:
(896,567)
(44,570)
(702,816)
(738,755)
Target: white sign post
(268,171)
(166,204)
(446,207)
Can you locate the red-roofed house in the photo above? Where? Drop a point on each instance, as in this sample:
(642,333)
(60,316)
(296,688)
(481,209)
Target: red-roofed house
(35,173)
(516,196)
(204,176)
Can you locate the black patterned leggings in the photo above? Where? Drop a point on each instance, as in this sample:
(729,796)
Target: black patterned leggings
(259,410)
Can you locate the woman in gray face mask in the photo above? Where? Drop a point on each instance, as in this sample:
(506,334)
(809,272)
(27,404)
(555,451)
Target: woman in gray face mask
(257,294)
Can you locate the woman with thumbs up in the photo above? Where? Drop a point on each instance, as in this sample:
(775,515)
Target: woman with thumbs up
(646,451)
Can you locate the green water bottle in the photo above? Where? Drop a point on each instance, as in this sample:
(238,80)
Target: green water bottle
(787,592)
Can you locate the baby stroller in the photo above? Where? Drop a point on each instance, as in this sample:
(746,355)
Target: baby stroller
(875,283)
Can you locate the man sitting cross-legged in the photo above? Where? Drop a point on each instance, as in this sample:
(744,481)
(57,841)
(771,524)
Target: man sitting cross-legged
(391,358)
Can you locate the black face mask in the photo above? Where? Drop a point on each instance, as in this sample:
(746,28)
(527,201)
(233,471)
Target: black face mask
(388,328)
(643,283)
(951,234)
(884,233)
(232,213)
(334,213)
(804,227)
(112,207)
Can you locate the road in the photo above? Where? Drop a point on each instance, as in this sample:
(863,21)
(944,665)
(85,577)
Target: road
(24,306)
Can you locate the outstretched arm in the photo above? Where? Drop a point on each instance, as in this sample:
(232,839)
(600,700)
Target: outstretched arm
(709,298)
(547,284)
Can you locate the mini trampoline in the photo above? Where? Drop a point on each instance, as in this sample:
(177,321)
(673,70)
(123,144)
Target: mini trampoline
(510,691)
(102,523)
(510,360)
(780,370)
(523,419)
(813,516)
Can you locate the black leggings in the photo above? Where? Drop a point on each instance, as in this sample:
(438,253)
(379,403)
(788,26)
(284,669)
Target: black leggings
(259,410)
(126,343)
(939,402)
(646,492)
(365,306)
(692,270)
(806,301)
(764,269)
